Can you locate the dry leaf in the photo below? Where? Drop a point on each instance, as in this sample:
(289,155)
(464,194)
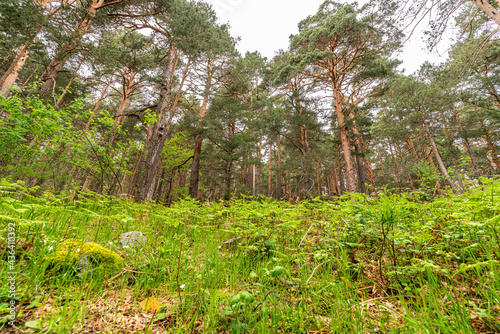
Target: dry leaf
(346,281)
(150,303)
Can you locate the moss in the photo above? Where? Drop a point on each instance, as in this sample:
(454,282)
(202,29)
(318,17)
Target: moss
(105,261)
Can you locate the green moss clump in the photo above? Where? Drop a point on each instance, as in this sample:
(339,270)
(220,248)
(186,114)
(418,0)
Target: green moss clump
(105,262)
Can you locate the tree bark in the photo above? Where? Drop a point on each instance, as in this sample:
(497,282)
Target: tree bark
(49,76)
(450,147)
(351,179)
(489,10)
(396,170)
(270,173)
(441,166)
(158,133)
(9,78)
(63,95)
(318,178)
(195,167)
(127,85)
(492,147)
(279,191)
(98,104)
(229,163)
(227,189)
(467,146)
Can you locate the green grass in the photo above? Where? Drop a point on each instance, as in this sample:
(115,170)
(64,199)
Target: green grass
(393,264)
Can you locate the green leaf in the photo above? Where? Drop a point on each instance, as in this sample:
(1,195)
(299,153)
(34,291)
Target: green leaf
(278,271)
(161,316)
(33,324)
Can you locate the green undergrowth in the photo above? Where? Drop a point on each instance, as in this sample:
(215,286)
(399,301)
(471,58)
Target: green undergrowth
(355,264)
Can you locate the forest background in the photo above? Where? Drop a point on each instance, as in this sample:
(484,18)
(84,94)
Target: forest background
(150,100)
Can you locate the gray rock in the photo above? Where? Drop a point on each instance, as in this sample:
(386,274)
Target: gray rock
(132,239)
(85,265)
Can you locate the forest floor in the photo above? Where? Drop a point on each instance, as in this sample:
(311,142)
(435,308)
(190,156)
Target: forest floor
(402,263)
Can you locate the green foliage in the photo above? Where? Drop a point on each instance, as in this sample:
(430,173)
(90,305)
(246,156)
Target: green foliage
(37,137)
(266,265)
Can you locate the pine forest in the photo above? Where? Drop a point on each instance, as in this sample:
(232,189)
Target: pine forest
(156,179)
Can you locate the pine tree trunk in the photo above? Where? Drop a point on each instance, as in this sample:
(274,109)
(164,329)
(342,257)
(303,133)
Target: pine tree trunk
(270,173)
(258,170)
(49,76)
(66,89)
(369,175)
(441,166)
(450,147)
(318,178)
(492,148)
(339,164)
(158,134)
(360,162)
(98,104)
(351,178)
(467,147)
(489,10)
(126,92)
(335,181)
(380,162)
(229,171)
(396,170)
(195,167)
(411,148)
(405,173)
(278,170)
(10,76)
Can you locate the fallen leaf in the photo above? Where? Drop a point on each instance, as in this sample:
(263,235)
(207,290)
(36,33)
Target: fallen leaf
(150,303)
(346,281)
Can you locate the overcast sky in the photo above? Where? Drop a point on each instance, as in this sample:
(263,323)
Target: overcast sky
(266,25)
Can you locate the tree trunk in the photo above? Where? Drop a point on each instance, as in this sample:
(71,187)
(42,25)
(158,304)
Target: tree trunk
(9,78)
(396,170)
(411,148)
(62,56)
(339,164)
(360,162)
(492,148)
(195,167)
(489,10)
(227,189)
(467,147)
(380,162)
(335,181)
(351,178)
(158,133)
(441,166)
(369,175)
(450,147)
(258,170)
(318,178)
(270,174)
(126,92)
(63,95)
(103,95)
(278,170)
(405,173)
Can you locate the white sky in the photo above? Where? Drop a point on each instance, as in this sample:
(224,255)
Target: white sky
(266,25)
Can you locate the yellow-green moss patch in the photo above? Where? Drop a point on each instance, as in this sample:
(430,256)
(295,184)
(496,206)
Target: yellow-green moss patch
(104,261)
